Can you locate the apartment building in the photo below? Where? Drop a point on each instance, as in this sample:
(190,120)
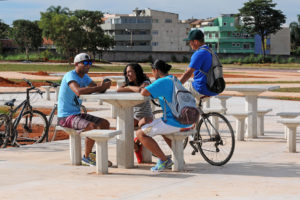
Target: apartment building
(146,30)
(275,44)
(222,35)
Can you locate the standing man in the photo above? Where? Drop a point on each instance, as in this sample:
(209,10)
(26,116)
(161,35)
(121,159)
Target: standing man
(201,60)
(74,84)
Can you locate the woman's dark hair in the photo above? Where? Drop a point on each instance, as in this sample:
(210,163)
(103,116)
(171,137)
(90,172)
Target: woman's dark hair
(161,65)
(140,76)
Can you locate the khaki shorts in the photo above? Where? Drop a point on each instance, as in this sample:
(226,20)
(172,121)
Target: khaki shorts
(189,86)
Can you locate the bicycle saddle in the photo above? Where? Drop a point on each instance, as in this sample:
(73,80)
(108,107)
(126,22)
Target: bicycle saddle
(10,103)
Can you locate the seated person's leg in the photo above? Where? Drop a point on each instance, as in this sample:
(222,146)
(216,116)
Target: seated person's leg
(151,144)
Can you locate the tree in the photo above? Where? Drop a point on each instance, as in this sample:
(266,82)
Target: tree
(27,35)
(72,32)
(94,38)
(58,10)
(63,29)
(295,34)
(4,29)
(260,17)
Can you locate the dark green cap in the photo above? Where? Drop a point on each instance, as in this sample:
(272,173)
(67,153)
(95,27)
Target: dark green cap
(194,35)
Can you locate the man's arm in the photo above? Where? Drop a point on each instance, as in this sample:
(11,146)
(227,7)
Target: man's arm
(89,89)
(187,74)
(145,92)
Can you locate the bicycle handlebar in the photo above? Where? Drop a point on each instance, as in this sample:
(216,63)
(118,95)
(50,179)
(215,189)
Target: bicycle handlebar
(53,84)
(32,87)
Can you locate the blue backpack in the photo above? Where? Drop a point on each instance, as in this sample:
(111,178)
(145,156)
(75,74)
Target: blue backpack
(183,104)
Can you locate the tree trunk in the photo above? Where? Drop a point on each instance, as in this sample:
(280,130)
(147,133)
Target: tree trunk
(26,52)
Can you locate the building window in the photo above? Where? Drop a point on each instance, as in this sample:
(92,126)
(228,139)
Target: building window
(231,24)
(155,20)
(229,34)
(154,43)
(246,46)
(233,44)
(154,32)
(210,35)
(217,35)
(168,20)
(237,44)
(224,24)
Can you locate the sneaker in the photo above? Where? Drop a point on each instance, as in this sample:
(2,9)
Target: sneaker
(162,165)
(92,156)
(88,161)
(138,152)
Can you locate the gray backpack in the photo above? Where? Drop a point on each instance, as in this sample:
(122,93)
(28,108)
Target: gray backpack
(214,76)
(183,105)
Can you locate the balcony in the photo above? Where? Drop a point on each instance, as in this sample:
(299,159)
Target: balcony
(134,37)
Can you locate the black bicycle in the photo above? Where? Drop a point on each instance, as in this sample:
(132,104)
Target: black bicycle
(214,138)
(23,124)
(52,127)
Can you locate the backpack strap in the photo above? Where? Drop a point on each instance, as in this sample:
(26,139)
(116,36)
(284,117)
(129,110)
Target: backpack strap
(210,51)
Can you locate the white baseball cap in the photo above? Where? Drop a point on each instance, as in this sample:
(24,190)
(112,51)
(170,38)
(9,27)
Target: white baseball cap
(81,57)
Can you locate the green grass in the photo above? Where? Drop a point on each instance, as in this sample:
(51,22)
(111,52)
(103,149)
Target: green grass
(261,82)
(3,110)
(34,67)
(265,66)
(292,89)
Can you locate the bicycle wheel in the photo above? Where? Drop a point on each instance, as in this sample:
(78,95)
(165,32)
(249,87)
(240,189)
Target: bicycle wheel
(215,138)
(4,133)
(32,128)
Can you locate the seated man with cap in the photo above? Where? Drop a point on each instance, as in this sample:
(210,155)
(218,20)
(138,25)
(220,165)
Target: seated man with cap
(201,60)
(74,84)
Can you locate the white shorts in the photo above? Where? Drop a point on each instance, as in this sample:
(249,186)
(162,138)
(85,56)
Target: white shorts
(159,127)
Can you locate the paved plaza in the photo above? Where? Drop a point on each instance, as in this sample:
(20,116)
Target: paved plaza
(259,169)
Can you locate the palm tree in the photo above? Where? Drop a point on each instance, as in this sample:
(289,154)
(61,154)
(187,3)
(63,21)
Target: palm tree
(58,10)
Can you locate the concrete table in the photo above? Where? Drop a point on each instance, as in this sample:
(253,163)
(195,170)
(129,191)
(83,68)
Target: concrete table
(251,92)
(120,80)
(124,102)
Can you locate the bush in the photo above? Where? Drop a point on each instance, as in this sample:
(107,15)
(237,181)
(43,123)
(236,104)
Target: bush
(185,59)
(173,58)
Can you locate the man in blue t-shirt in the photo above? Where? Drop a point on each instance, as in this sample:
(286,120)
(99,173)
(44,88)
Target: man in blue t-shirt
(201,60)
(74,84)
(162,89)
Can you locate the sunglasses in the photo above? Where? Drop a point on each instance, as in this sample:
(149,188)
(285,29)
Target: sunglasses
(87,62)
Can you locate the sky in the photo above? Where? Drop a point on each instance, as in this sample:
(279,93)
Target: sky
(11,10)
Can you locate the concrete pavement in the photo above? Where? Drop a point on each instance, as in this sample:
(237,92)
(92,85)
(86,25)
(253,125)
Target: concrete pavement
(259,169)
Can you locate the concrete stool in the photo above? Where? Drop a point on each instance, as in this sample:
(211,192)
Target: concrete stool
(291,125)
(287,115)
(218,110)
(56,92)
(260,124)
(47,88)
(101,136)
(223,100)
(240,124)
(75,144)
(177,148)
